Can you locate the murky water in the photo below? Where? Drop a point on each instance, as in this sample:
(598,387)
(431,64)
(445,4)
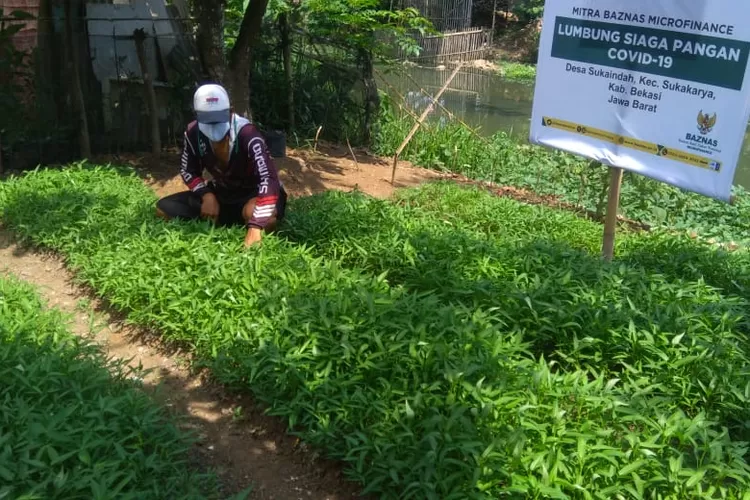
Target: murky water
(486,100)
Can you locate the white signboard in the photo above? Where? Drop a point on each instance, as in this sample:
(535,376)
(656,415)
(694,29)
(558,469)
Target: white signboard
(660,88)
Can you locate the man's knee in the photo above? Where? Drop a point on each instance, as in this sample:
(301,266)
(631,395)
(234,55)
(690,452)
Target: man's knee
(182,205)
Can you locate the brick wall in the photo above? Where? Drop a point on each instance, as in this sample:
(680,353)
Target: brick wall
(26,39)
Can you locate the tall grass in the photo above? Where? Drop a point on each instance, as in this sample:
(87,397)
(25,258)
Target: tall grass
(439,357)
(507,161)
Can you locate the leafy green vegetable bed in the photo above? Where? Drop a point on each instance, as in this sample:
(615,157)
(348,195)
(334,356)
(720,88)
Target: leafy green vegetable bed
(451,345)
(72,424)
(508,161)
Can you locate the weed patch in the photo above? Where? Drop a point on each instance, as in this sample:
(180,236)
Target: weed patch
(515,71)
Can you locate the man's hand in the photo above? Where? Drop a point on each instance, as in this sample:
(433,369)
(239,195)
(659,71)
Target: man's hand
(210,207)
(253,236)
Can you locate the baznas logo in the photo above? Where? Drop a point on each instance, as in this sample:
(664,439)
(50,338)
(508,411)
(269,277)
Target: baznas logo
(706,123)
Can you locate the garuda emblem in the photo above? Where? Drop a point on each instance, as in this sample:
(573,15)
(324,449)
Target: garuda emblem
(705,122)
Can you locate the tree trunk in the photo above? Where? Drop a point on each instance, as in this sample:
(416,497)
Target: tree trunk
(238,86)
(286,45)
(372,99)
(240,58)
(139,36)
(44,61)
(210,38)
(233,74)
(74,75)
(494,15)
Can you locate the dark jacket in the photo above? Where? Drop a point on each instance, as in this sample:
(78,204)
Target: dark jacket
(250,172)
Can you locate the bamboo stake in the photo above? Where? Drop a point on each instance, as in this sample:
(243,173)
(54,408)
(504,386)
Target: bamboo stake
(610,222)
(419,122)
(317,134)
(450,115)
(356,163)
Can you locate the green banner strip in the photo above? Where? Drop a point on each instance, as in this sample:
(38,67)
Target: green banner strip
(692,57)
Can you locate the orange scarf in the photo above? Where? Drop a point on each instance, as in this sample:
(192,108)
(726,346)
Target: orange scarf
(221,150)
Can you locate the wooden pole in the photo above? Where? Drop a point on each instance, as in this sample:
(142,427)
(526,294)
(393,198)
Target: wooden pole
(494,15)
(419,122)
(610,222)
(139,36)
(79,104)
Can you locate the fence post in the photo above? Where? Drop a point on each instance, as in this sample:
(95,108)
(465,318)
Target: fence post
(139,35)
(78,102)
(610,222)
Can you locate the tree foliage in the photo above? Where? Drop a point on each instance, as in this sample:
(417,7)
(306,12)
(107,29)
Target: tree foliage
(229,30)
(528,10)
(367,25)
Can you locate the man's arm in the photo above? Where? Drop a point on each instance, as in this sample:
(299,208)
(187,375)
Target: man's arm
(192,174)
(190,167)
(268,181)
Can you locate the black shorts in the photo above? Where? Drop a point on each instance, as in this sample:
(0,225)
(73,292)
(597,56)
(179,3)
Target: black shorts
(187,205)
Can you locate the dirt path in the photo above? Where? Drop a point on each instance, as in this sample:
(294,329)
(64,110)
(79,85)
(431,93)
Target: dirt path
(246,447)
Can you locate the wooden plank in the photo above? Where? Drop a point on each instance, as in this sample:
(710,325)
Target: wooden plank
(610,222)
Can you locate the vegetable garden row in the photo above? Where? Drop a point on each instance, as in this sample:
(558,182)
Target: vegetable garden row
(74,424)
(445,344)
(556,175)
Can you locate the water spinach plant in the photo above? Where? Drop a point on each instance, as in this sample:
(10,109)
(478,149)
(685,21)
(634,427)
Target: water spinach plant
(446,344)
(74,424)
(508,161)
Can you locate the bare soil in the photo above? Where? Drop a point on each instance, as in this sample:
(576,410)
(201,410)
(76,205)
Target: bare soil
(303,171)
(245,447)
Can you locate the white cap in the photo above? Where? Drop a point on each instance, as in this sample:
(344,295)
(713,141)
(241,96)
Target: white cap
(211,106)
